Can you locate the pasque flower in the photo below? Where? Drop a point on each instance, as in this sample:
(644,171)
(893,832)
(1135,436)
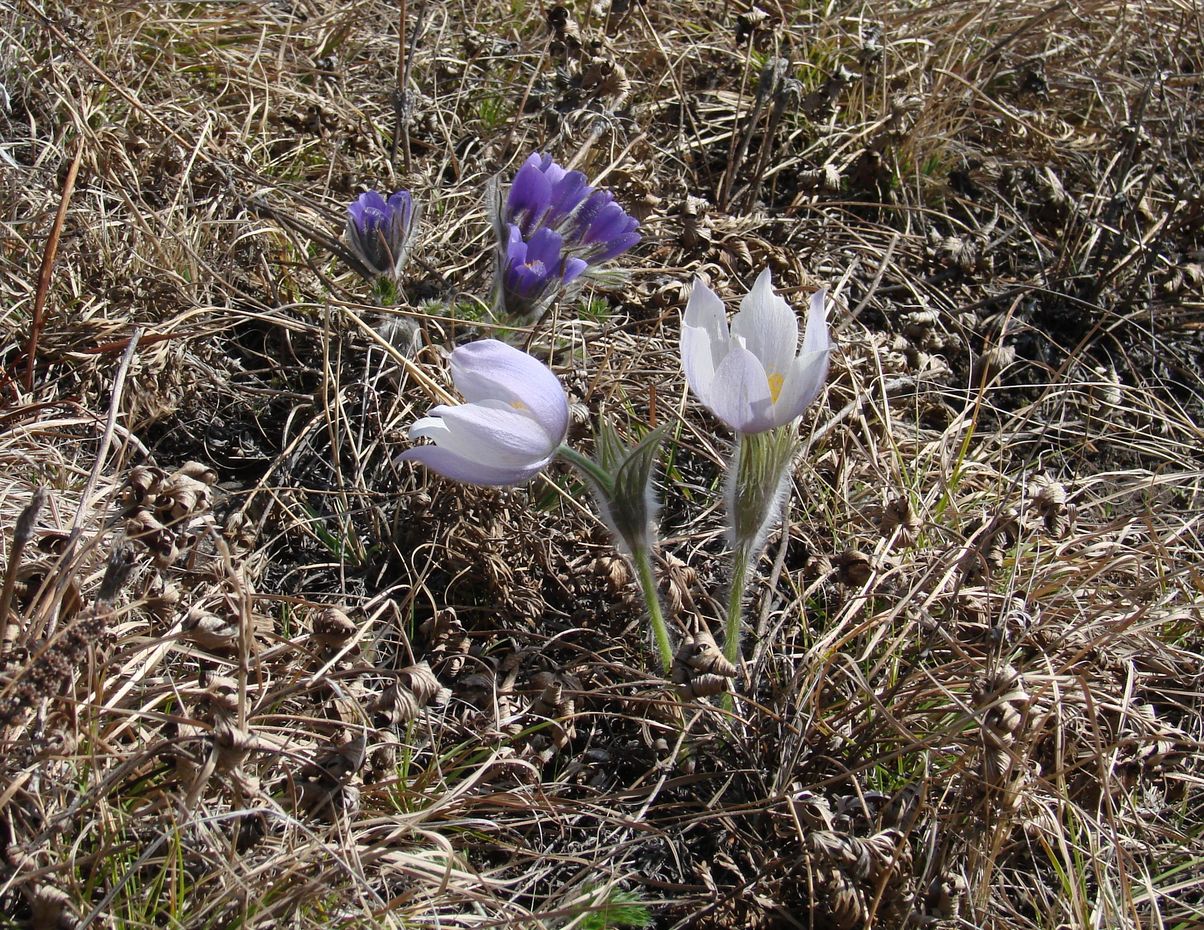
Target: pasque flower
(544,193)
(514,420)
(534,272)
(379,231)
(553,228)
(753,377)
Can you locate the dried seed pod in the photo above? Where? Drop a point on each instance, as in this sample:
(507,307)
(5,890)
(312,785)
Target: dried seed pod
(812,810)
(899,515)
(699,653)
(181,497)
(414,688)
(162,605)
(220,696)
(864,859)
(554,706)
(704,685)
(945,894)
(332,627)
(197,471)
(695,227)
(1049,500)
(825,178)
(699,668)
(142,525)
(679,578)
(839,900)
(141,486)
(209,631)
(853,567)
(918,323)
(615,572)
(448,642)
(421,682)
(1002,700)
(992,362)
(50,908)
(339,761)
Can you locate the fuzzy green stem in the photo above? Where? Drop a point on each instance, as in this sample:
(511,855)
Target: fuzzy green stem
(643,569)
(735,602)
(641,556)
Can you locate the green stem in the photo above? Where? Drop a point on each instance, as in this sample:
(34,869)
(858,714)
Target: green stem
(642,558)
(735,601)
(643,568)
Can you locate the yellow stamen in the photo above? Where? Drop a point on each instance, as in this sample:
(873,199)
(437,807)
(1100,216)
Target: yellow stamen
(518,405)
(775,386)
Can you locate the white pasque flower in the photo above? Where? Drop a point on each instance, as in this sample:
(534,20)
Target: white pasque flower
(515,418)
(751,377)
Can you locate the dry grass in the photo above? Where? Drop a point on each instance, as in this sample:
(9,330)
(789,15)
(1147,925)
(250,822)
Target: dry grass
(972,694)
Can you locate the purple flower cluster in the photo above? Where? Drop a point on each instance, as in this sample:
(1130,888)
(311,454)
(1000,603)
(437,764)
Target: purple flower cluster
(553,228)
(379,231)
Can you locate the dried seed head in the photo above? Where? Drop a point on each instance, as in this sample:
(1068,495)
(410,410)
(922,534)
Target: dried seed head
(1003,701)
(331,625)
(679,578)
(993,361)
(197,472)
(899,515)
(615,572)
(181,497)
(447,642)
(1049,500)
(421,682)
(703,686)
(162,605)
(209,631)
(853,567)
(700,653)
(50,907)
(141,485)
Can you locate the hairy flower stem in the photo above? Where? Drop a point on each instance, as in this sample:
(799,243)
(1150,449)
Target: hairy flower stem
(643,569)
(735,602)
(755,492)
(641,556)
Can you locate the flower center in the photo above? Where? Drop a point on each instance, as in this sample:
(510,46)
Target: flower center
(775,386)
(518,405)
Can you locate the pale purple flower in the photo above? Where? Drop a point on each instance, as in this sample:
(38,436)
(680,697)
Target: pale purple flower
(514,420)
(379,231)
(751,377)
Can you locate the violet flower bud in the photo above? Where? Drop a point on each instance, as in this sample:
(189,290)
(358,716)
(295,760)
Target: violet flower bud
(514,420)
(536,271)
(379,231)
(544,193)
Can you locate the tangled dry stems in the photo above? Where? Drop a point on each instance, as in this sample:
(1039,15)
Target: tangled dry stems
(323,689)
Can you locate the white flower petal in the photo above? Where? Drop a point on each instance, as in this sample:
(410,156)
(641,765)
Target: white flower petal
(450,465)
(767,325)
(802,385)
(815,337)
(704,337)
(739,394)
(492,370)
(490,432)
